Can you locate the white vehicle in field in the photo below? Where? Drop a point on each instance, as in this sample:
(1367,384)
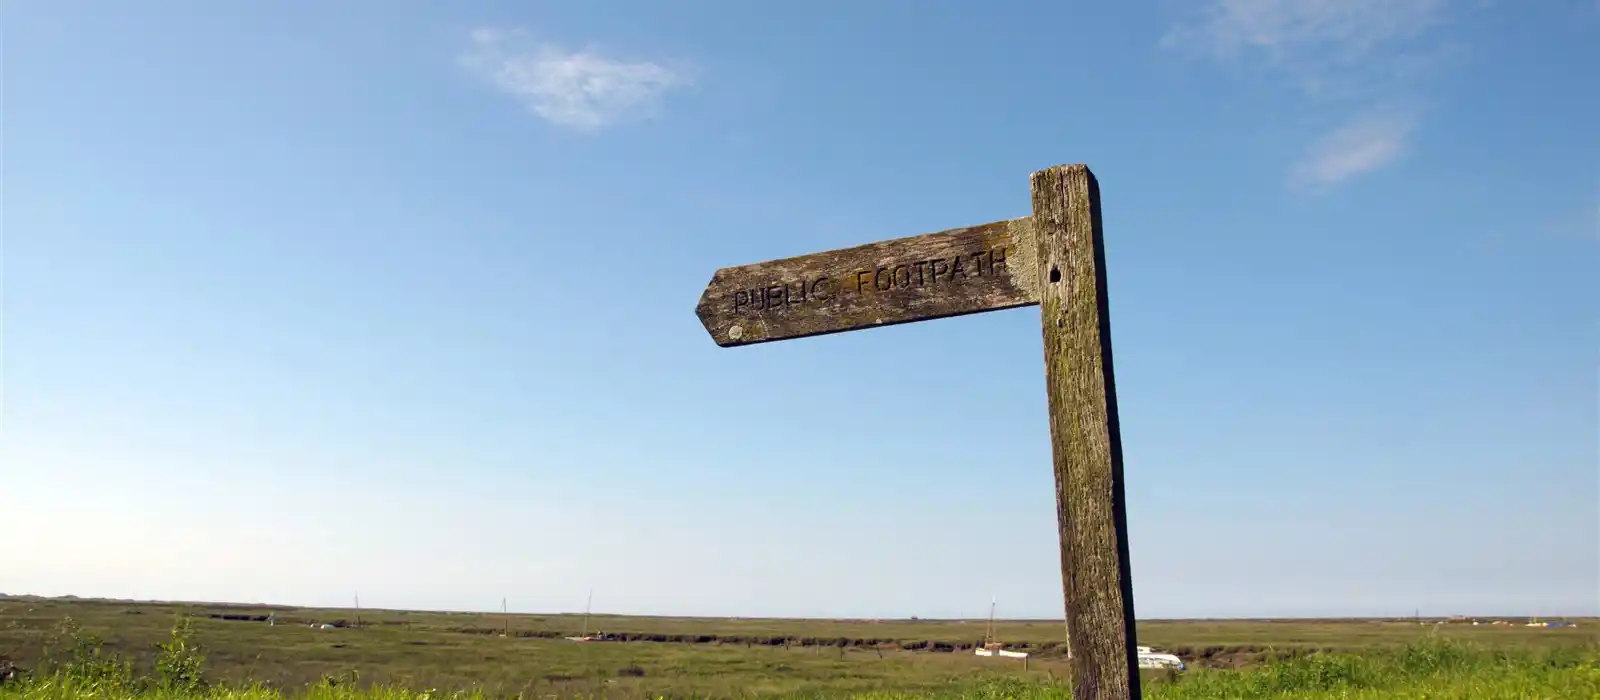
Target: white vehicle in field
(1150,658)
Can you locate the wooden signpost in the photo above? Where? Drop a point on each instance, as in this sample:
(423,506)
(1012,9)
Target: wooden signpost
(1054,259)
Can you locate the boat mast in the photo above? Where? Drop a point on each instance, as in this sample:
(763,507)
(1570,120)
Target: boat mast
(988,632)
(586,606)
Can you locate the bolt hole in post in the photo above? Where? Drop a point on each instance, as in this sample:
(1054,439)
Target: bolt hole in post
(1055,275)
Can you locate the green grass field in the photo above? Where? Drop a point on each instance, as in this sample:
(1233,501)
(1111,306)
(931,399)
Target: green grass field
(408,654)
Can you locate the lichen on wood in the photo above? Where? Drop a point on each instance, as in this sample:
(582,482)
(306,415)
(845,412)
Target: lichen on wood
(1084,433)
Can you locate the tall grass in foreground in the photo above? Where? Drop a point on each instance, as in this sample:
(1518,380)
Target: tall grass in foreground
(1431,669)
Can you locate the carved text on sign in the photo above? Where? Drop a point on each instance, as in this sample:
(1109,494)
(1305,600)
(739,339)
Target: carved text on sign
(959,271)
(884,278)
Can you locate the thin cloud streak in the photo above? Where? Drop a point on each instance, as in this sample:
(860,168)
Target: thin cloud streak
(1315,31)
(1363,144)
(1363,53)
(581,90)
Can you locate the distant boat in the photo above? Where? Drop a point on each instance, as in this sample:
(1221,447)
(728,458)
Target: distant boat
(1150,658)
(585,636)
(993,648)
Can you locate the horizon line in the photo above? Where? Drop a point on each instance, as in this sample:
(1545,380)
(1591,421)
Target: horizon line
(1264,618)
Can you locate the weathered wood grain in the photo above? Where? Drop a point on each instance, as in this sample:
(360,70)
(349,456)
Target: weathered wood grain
(1085,437)
(936,275)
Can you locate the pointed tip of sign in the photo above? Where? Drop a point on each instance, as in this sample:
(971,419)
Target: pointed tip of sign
(705,310)
(702,306)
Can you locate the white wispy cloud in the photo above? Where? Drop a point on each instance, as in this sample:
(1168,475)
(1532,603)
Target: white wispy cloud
(1349,54)
(1367,142)
(582,89)
(1296,34)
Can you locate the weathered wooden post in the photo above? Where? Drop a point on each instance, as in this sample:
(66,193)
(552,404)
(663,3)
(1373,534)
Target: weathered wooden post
(1055,259)
(1085,437)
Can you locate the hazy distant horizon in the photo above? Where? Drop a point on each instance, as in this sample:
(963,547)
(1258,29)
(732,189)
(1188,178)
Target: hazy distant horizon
(512,609)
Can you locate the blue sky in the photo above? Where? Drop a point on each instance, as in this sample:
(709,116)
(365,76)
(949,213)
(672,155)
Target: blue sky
(306,300)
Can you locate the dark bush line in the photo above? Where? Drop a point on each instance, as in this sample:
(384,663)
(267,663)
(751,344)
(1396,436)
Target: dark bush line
(767,640)
(1220,656)
(1214,655)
